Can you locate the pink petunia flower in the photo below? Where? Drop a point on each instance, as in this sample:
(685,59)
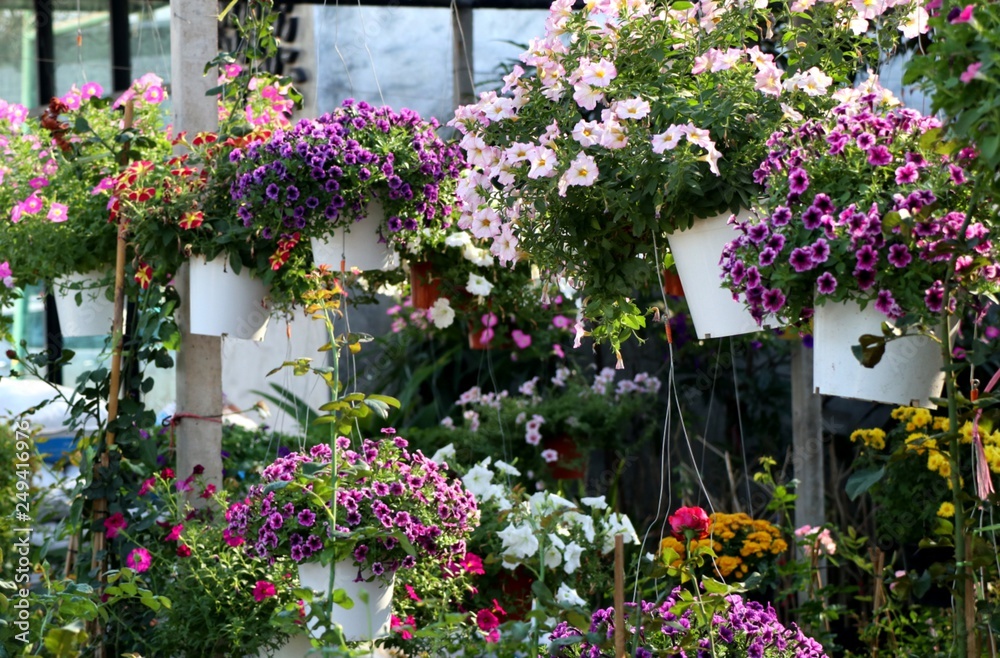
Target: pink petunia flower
(970,73)
(57,213)
(114,524)
(263,590)
(963,16)
(139,559)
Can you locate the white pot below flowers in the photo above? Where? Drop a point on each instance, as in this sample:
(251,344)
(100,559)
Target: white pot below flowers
(366,620)
(94,315)
(357,246)
(225,303)
(909,372)
(696,252)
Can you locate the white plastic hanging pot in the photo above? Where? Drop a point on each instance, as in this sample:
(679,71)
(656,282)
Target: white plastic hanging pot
(697,252)
(226,303)
(909,372)
(94,315)
(357,245)
(366,620)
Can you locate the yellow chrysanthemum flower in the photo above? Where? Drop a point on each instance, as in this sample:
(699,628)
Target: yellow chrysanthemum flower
(946,511)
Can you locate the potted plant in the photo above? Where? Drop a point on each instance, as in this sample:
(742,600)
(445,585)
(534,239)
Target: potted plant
(365,514)
(56,227)
(863,213)
(357,184)
(182,215)
(636,121)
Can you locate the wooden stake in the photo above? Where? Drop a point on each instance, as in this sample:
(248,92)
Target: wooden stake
(100,510)
(619,596)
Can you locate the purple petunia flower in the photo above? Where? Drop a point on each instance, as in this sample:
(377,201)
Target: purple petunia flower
(879,156)
(811,217)
(801,259)
(886,304)
(865,278)
(899,255)
(306,518)
(758,233)
(826,284)
(767,257)
(934,297)
(865,141)
(773,300)
(781,216)
(820,251)
(866,258)
(798,180)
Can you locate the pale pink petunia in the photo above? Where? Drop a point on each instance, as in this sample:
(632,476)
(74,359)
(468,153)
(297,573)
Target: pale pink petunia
(727,60)
(504,246)
(768,80)
(517,152)
(702,63)
(613,134)
(699,137)
(760,59)
(543,162)
(586,96)
(550,455)
(57,213)
(915,23)
(669,139)
(587,133)
(510,80)
(598,74)
(582,171)
(632,108)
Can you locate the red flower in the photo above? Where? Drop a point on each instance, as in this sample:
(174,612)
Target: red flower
(183,551)
(689,523)
(208,492)
(167,474)
(263,590)
(143,275)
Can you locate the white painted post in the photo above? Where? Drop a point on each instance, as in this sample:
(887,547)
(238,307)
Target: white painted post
(194,40)
(807,441)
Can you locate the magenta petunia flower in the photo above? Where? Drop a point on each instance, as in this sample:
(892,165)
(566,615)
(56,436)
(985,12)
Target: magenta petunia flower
(114,524)
(907,174)
(139,559)
(964,16)
(263,590)
(879,156)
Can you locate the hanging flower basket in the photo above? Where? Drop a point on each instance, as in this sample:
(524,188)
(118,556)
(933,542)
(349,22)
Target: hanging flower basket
(697,251)
(909,373)
(572,464)
(224,303)
(363,622)
(94,315)
(424,287)
(359,246)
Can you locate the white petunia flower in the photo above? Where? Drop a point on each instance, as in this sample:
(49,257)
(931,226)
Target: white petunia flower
(505,468)
(572,555)
(566,595)
(478,285)
(597,503)
(444,454)
(519,541)
(442,314)
(478,479)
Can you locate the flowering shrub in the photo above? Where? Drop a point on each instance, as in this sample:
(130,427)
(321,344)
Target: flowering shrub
(392,507)
(632,120)
(741,546)
(322,173)
(866,206)
(731,627)
(908,469)
(531,422)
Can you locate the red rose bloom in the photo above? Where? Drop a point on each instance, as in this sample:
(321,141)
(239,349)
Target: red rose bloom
(689,523)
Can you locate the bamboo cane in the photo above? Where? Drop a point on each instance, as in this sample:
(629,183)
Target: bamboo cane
(100,510)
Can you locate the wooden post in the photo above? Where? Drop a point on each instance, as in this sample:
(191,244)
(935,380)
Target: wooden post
(462,52)
(619,596)
(807,444)
(194,37)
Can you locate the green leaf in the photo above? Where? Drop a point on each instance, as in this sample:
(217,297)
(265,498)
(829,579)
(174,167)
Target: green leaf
(863,480)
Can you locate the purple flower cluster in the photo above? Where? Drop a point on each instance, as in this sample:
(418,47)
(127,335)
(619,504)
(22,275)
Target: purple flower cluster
(323,172)
(745,629)
(383,493)
(860,206)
